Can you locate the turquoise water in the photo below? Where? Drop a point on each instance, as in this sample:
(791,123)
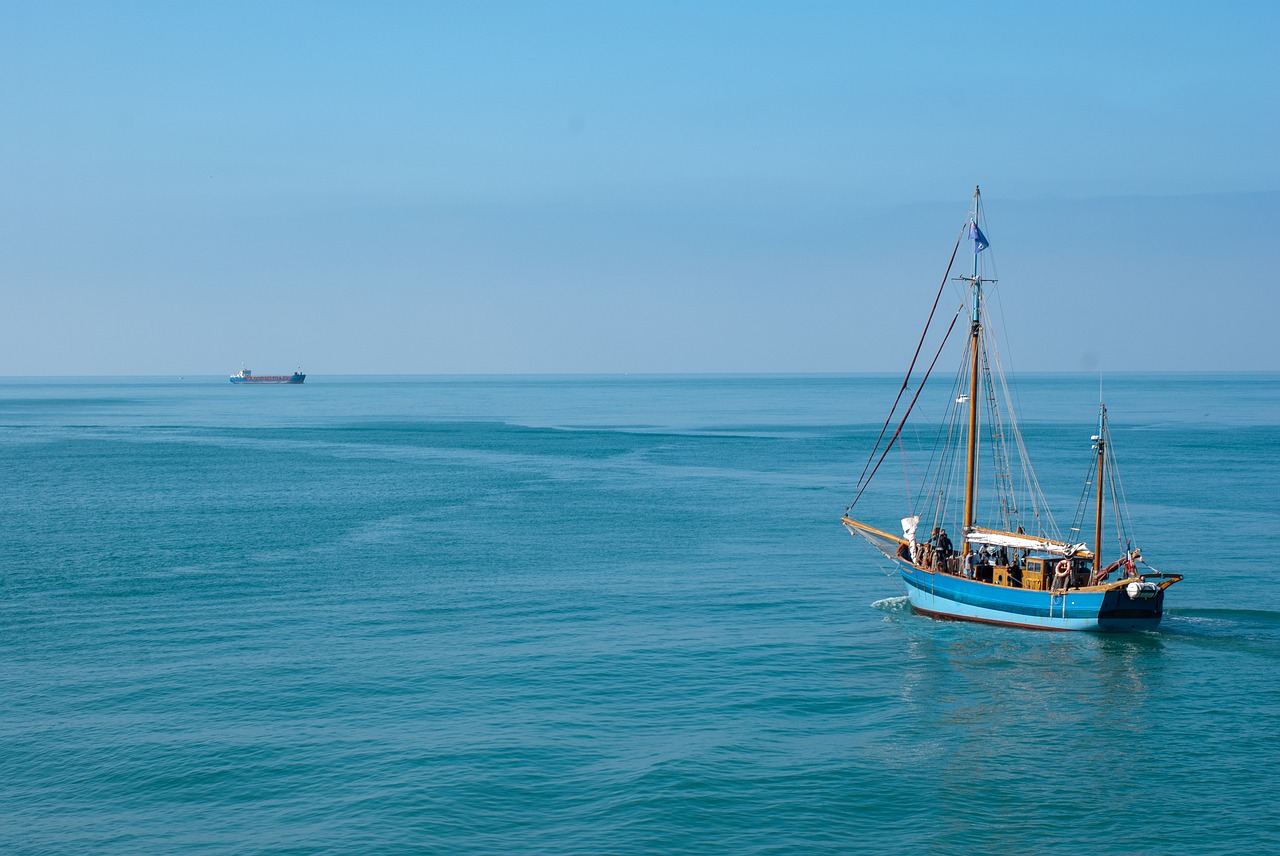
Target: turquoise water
(603,615)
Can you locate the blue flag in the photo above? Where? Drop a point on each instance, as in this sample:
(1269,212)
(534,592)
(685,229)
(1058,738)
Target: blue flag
(979,240)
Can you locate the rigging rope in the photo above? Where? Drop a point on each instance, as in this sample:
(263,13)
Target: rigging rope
(1119,501)
(914,398)
(1043,519)
(943,479)
(906,380)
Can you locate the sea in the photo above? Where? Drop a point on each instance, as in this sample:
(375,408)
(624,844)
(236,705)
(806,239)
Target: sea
(606,615)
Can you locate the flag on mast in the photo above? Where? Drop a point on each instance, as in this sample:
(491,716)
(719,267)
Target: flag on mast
(980,242)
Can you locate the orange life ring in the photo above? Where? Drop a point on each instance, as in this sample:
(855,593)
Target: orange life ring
(1062,568)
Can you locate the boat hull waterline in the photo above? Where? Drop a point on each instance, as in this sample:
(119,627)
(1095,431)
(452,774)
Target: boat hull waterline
(944,596)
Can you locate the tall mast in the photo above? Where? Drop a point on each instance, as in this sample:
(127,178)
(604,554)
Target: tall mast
(975,345)
(1100,443)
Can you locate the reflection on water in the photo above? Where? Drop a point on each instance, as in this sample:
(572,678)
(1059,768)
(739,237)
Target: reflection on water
(1022,685)
(1004,716)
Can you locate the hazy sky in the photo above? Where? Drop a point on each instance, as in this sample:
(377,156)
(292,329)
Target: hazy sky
(649,187)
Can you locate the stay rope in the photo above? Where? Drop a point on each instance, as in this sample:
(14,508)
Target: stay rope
(907,379)
(898,432)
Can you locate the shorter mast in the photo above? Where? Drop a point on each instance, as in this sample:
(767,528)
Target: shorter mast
(1100,444)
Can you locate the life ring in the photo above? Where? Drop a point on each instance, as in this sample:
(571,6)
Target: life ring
(1062,568)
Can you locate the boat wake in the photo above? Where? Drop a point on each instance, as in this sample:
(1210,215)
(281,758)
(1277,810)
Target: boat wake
(893,605)
(1240,616)
(1254,631)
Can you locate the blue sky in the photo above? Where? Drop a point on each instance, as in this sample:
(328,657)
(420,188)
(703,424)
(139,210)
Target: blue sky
(647,187)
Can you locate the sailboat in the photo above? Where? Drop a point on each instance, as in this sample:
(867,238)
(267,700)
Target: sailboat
(1009,564)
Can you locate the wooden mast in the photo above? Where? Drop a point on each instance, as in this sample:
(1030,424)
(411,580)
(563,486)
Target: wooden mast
(971,461)
(975,344)
(1101,446)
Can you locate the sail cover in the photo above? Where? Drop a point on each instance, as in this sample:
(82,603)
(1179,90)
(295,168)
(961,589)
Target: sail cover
(1018,541)
(909,525)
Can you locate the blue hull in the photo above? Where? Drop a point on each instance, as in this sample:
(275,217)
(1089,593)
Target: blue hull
(947,596)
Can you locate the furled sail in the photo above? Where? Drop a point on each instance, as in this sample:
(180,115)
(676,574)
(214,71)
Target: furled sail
(1019,541)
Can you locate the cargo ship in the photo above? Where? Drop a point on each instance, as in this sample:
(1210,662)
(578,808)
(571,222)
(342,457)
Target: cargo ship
(246,376)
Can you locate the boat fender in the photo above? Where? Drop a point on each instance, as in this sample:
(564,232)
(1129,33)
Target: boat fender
(1141,590)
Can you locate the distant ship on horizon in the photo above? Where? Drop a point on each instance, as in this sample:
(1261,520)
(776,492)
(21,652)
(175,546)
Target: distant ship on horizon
(246,376)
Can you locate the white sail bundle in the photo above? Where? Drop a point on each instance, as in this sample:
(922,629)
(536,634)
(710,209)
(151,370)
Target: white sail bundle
(1018,541)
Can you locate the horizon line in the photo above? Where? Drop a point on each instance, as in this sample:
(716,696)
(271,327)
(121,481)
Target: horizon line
(622,374)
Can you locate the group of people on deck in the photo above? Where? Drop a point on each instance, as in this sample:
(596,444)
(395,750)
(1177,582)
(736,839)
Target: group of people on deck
(939,554)
(930,555)
(935,554)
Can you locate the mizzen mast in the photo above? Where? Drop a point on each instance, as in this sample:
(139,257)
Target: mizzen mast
(1100,444)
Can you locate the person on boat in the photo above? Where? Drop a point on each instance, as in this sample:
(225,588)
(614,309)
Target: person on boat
(941,547)
(971,562)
